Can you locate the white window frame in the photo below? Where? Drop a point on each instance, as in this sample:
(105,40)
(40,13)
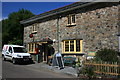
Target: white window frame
(34,26)
(71,20)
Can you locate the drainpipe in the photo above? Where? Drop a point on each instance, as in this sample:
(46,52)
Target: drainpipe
(118,23)
(118,41)
(58,34)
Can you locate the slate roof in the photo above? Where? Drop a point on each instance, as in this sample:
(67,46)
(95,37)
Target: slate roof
(57,11)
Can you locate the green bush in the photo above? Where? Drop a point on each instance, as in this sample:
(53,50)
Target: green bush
(78,63)
(108,55)
(87,71)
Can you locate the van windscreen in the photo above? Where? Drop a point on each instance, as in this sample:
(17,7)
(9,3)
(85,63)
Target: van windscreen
(19,50)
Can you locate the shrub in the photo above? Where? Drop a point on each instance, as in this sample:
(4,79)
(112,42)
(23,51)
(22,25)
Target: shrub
(108,55)
(87,71)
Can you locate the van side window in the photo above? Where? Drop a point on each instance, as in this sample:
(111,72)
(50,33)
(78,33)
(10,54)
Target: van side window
(10,49)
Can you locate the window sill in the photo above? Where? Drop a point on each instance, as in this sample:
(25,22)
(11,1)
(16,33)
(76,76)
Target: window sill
(78,53)
(70,25)
(72,52)
(30,52)
(34,32)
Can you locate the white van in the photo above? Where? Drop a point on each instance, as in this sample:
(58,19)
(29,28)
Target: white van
(15,53)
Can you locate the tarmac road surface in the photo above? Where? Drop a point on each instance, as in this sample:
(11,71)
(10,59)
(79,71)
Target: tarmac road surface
(10,70)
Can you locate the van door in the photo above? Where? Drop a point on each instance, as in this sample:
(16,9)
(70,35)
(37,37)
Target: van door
(9,53)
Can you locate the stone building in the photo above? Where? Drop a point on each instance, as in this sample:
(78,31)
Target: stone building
(74,29)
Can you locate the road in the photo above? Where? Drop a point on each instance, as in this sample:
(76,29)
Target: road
(10,70)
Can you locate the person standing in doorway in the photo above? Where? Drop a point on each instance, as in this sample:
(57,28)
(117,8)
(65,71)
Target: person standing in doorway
(51,52)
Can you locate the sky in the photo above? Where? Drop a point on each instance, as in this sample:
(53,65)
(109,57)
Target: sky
(35,7)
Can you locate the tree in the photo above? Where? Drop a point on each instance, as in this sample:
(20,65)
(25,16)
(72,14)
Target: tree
(12,30)
(5,31)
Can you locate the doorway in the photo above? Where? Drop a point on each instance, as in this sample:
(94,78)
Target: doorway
(48,51)
(45,51)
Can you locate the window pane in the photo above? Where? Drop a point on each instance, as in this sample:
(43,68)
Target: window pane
(78,45)
(69,20)
(66,45)
(33,27)
(10,49)
(29,46)
(71,45)
(73,18)
(32,47)
(63,46)
(36,25)
(19,49)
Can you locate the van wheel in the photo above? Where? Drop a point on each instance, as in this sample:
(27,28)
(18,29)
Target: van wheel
(3,58)
(13,61)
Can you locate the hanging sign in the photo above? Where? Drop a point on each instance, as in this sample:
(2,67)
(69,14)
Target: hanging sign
(31,35)
(46,38)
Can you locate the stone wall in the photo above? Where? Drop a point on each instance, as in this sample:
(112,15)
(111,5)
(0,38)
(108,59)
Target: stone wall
(97,28)
(45,29)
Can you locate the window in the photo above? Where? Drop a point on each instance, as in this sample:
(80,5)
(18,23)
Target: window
(72,46)
(19,49)
(34,26)
(10,49)
(71,20)
(67,46)
(31,47)
(77,45)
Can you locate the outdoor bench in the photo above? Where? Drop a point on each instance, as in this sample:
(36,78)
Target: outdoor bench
(69,60)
